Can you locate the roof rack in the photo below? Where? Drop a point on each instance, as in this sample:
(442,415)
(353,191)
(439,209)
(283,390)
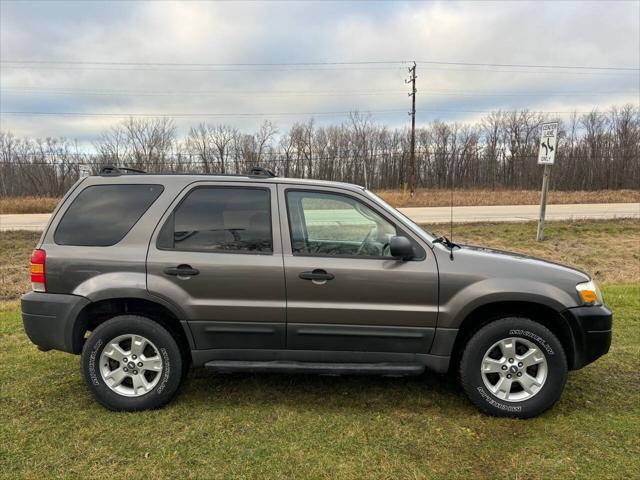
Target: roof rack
(115,170)
(256,172)
(262,172)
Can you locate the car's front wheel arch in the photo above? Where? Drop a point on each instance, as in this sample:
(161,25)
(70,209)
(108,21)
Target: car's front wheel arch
(487,313)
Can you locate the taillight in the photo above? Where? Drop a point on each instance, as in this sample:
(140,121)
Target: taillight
(36,268)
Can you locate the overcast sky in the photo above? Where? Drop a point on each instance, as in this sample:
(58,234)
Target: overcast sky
(118,34)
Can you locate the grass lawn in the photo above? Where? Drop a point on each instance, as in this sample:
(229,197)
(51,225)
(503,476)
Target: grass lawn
(266,426)
(425,197)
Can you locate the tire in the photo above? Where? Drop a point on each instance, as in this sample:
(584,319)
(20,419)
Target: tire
(146,388)
(485,353)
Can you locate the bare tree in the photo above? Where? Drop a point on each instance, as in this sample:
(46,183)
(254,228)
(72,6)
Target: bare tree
(596,150)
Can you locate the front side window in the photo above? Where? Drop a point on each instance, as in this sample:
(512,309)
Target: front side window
(101,215)
(329,224)
(220,219)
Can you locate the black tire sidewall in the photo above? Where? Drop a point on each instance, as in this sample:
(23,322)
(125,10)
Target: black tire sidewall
(543,338)
(172,368)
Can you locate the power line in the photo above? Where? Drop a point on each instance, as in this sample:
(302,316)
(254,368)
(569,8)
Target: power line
(206,64)
(203,93)
(198,69)
(455,69)
(320,93)
(202,114)
(277,114)
(306,64)
(525,65)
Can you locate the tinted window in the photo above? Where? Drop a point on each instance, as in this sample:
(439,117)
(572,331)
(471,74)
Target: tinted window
(212,219)
(336,225)
(102,215)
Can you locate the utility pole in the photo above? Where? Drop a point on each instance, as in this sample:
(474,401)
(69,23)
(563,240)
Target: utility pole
(412,160)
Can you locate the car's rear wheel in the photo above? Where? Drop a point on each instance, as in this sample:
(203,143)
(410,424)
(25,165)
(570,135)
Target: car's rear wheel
(513,367)
(132,363)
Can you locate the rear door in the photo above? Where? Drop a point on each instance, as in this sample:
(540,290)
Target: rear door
(344,290)
(217,255)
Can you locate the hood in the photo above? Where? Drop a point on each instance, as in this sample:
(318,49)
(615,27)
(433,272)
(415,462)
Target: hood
(518,264)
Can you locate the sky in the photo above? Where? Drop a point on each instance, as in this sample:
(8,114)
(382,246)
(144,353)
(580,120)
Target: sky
(242,62)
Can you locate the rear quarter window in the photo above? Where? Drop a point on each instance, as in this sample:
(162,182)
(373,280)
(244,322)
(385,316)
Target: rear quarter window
(101,215)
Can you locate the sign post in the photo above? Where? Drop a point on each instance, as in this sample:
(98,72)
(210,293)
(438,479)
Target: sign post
(546,157)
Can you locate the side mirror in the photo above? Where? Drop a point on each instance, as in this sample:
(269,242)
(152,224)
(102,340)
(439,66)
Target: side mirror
(401,247)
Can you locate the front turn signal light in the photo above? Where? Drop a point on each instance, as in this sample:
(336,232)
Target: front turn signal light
(590,293)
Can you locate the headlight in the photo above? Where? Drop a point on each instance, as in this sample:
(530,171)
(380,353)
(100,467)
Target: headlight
(590,293)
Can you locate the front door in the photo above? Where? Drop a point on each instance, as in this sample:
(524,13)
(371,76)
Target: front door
(218,257)
(344,290)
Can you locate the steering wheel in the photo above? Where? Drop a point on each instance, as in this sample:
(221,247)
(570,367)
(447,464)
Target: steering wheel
(366,239)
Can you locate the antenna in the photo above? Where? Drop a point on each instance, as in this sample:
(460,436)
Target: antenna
(453,172)
(451,216)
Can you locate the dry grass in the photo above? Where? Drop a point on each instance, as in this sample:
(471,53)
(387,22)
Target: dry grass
(422,198)
(28,204)
(15,250)
(442,198)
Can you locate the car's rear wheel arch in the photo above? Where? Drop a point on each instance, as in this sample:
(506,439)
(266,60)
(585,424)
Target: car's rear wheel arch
(99,312)
(485,314)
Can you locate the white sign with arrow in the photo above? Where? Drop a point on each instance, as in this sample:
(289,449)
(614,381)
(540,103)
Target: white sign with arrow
(548,140)
(546,157)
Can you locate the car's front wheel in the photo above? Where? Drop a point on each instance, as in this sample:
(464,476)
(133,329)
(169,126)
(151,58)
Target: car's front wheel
(131,363)
(513,367)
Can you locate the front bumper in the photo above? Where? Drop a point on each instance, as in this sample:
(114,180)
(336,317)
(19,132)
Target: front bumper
(51,320)
(591,329)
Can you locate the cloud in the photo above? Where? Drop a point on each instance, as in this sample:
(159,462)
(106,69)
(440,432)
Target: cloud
(556,33)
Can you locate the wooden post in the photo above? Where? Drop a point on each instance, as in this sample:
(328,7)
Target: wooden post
(412,158)
(543,202)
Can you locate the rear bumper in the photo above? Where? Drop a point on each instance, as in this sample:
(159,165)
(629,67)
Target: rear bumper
(50,320)
(591,329)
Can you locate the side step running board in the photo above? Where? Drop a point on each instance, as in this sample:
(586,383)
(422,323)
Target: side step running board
(387,369)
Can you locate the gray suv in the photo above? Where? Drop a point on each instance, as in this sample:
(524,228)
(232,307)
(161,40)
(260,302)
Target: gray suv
(146,275)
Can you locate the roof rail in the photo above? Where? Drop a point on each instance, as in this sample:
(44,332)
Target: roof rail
(262,172)
(115,170)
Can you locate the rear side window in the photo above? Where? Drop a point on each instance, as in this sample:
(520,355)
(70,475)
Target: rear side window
(102,215)
(220,219)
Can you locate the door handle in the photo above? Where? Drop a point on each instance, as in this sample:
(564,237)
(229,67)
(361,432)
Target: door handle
(182,271)
(317,274)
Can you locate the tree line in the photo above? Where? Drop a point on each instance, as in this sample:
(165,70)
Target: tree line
(596,150)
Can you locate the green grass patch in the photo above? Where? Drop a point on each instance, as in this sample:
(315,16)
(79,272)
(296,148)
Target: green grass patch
(278,426)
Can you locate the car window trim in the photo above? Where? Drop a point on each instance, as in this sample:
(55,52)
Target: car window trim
(59,222)
(171,216)
(343,194)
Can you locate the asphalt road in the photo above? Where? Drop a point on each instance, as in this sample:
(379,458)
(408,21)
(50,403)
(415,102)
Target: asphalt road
(500,213)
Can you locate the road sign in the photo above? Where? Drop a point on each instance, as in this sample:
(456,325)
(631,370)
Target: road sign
(546,157)
(548,141)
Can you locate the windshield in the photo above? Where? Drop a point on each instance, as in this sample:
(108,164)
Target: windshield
(417,228)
